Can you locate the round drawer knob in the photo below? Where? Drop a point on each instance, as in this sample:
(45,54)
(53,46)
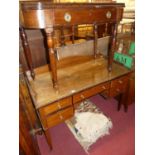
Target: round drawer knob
(67,17)
(108,14)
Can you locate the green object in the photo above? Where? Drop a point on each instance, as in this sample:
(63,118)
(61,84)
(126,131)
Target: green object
(132,48)
(123,59)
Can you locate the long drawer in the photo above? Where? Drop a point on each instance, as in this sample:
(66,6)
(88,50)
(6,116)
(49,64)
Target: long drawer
(89,15)
(90,92)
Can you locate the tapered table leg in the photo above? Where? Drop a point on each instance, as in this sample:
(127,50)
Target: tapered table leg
(48,138)
(112,48)
(62,38)
(53,65)
(27,51)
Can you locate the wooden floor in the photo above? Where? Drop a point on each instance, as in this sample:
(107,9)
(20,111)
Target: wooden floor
(71,79)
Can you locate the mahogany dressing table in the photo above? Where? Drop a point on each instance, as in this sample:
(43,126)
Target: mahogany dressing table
(57,88)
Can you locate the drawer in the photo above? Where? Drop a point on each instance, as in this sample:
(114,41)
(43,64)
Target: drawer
(56,106)
(87,15)
(59,117)
(117,90)
(90,92)
(120,82)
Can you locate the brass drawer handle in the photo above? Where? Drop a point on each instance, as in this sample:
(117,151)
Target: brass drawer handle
(118,90)
(103,87)
(61,117)
(59,106)
(120,81)
(108,14)
(82,96)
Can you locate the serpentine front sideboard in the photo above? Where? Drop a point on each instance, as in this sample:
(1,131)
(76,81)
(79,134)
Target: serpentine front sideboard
(75,78)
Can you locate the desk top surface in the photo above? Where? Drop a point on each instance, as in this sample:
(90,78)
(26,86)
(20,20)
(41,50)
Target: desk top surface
(72,79)
(45,14)
(30,5)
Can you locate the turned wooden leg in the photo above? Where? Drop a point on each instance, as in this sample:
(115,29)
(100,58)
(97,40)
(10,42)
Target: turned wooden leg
(95,40)
(119,102)
(73,34)
(62,38)
(27,50)
(53,66)
(112,48)
(123,101)
(48,138)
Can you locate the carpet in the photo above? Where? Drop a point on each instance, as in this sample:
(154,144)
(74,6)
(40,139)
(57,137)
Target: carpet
(88,124)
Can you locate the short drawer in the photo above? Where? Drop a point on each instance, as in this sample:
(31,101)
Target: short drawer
(56,106)
(120,82)
(90,92)
(117,90)
(59,117)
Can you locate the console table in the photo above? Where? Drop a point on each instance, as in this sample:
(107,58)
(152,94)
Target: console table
(47,16)
(76,78)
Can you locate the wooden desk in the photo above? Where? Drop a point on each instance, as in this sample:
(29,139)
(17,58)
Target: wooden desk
(77,82)
(83,76)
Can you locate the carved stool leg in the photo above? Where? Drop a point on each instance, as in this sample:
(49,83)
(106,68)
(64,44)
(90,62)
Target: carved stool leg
(48,138)
(27,51)
(53,66)
(112,48)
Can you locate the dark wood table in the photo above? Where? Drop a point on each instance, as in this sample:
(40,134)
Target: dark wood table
(47,16)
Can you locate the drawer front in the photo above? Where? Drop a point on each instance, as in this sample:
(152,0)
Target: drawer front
(120,82)
(118,86)
(87,15)
(90,92)
(116,91)
(56,106)
(59,117)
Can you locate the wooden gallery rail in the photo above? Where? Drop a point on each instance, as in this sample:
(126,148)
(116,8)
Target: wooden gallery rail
(74,83)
